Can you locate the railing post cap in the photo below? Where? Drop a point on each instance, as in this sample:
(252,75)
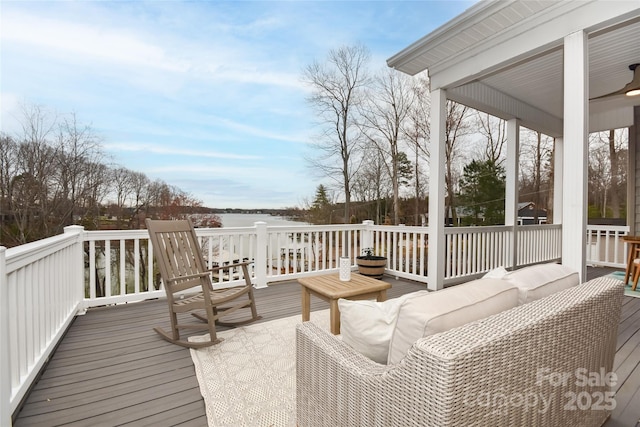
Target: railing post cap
(73,229)
(368,222)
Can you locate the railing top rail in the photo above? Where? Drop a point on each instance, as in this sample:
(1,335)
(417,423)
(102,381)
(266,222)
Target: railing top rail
(477,229)
(401,228)
(115,234)
(132,234)
(621,228)
(494,228)
(328,227)
(540,227)
(19,256)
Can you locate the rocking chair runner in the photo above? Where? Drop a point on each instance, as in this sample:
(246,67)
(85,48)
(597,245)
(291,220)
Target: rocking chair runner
(177,252)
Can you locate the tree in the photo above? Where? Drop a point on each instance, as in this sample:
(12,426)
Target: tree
(455,128)
(123,185)
(482,188)
(139,184)
(607,174)
(77,149)
(8,161)
(320,209)
(536,171)
(372,185)
(337,90)
(30,193)
(416,130)
(387,107)
(494,132)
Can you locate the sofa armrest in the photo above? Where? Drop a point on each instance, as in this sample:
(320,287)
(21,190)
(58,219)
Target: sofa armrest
(335,384)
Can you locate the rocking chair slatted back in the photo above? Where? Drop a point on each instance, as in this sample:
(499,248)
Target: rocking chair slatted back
(183,261)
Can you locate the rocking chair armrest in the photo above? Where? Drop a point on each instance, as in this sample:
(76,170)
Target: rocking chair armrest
(188,276)
(229,266)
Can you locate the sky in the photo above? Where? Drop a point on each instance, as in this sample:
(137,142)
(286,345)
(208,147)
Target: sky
(206,96)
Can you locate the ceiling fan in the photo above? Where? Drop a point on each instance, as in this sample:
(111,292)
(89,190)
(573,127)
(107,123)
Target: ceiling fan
(632,88)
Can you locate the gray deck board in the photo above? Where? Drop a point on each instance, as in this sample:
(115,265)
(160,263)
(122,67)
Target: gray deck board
(627,367)
(112,369)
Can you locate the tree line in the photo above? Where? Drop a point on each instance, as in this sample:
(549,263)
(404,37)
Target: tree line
(371,150)
(55,173)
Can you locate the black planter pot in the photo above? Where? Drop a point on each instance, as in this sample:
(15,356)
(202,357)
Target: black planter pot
(371,266)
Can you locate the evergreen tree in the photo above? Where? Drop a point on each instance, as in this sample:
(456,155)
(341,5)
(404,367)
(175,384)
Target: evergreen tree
(321,207)
(482,189)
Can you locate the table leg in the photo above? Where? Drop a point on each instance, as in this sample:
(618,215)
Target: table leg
(382,295)
(334,315)
(306,304)
(632,251)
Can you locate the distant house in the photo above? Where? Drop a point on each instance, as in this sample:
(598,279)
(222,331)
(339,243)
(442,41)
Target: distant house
(528,214)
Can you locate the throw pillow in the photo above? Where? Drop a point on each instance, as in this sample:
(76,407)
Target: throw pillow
(541,280)
(496,273)
(367,326)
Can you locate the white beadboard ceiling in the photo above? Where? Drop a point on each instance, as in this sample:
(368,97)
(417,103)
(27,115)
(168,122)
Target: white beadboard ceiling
(535,80)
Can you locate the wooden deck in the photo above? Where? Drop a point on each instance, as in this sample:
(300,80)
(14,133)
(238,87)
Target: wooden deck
(112,369)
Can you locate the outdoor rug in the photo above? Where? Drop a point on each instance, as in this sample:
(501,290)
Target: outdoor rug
(249,378)
(627,289)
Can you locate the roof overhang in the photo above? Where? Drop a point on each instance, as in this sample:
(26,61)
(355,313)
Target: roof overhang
(506,58)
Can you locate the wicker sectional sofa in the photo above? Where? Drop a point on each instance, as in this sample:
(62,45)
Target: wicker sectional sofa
(545,363)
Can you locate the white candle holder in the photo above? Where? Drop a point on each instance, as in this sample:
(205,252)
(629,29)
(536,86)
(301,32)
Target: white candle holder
(345,268)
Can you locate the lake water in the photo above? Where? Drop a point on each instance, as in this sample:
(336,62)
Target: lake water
(247,220)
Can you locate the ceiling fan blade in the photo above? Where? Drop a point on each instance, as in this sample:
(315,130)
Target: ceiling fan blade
(608,95)
(634,84)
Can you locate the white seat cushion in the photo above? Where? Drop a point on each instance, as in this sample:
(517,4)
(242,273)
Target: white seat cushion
(538,281)
(442,310)
(367,326)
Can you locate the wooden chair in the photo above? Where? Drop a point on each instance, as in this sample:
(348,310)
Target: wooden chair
(177,251)
(636,273)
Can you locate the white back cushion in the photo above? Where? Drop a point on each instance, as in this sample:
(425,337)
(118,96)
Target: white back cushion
(538,281)
(442,310)
(367,326)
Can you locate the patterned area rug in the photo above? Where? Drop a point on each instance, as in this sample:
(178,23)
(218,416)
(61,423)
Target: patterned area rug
(249,378)
(619,275)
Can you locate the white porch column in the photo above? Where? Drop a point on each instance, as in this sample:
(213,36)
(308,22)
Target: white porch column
(435,279)
(633,165)
(511,186)
(558,174)
(576,121)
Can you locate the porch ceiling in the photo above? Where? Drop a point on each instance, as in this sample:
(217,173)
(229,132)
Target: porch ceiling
(506,58)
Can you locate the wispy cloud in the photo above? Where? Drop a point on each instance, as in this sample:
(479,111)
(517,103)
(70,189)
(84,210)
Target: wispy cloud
(169,151)
(86,41)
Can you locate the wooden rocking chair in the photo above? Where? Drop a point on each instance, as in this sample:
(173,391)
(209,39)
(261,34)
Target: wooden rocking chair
(177,252)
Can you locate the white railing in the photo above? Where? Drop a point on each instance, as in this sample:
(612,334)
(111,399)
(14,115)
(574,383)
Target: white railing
(404,247)
(120,265)
(475,250)
(605,247)
(44,284)
(40,293)
(538,243)
(472,251)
